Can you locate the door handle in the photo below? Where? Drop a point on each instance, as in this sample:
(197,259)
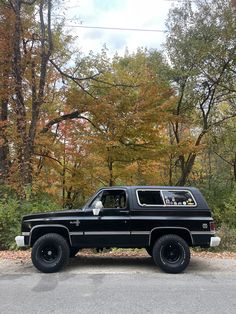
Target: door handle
(124,211)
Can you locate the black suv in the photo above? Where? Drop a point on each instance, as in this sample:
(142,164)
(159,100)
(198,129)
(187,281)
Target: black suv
(166,221)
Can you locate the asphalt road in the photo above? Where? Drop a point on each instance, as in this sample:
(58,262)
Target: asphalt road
(119,285)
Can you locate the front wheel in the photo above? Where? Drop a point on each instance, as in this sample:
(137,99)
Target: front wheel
(50,253)
(171,253)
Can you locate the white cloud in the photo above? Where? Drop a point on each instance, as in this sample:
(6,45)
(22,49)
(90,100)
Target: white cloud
(148,14)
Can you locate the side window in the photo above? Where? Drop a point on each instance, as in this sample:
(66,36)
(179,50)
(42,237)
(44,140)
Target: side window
(111,199)
(149,197)
(181,198)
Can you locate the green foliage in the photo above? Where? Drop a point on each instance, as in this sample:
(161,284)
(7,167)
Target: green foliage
(217,195)
(11,212)
(221,198)
(10,216)
(201,50)
(229,213)
(228,238)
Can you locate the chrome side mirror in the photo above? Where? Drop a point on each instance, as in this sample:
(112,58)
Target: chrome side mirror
(97,208)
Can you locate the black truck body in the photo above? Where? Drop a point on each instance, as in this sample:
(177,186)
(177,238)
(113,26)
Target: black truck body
(164,220)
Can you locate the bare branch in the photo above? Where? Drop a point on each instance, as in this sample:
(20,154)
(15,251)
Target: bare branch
(28,2)
(115,84)
(52,158)
(222,120)
(78,80)
(73,115)
(48,156)
(225,160)
(74,79)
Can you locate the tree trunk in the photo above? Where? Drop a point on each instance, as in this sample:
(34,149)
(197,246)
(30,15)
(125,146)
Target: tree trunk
(6,24)
(4,148)
(186,170)
(235,167)
(110,167)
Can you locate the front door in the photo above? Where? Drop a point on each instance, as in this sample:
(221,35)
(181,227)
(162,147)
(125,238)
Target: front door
(110,228)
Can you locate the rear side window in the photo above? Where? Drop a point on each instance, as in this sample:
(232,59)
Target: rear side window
(149,197)
(154,197)
(181,198)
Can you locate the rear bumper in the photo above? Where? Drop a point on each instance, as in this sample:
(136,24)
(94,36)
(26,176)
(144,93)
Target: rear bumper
(20,241)
(215,241)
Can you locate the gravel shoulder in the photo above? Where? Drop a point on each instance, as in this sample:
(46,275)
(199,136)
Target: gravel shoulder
(23,255)
(120,262)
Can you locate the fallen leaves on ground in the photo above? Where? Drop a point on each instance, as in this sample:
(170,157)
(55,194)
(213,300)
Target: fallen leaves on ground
(15,255)
(25,254)
(223,255)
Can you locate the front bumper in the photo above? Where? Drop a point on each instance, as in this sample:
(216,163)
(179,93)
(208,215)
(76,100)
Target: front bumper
(215,241)
(20,241)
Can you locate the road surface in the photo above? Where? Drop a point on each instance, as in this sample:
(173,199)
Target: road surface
(126,285)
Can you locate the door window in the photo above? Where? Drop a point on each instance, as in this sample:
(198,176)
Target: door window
(111,199)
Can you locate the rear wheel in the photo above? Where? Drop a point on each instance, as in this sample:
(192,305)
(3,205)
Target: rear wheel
(50,253)
(171,253)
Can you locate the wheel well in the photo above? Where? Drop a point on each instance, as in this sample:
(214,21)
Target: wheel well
(183,233)
(40,231)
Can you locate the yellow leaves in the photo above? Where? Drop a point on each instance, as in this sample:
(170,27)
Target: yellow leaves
(123,138)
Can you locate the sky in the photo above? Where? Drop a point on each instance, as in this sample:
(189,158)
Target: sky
(131,14)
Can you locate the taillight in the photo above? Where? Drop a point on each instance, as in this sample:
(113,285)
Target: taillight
(212,226)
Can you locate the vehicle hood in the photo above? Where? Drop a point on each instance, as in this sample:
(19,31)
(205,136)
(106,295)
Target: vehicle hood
(59,213)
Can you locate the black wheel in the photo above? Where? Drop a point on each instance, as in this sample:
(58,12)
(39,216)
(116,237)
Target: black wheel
(171,253)
(73,251)
(149,250)
(50,253)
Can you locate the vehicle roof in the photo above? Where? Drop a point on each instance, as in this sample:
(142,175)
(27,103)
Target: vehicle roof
(164,187)
(201,202)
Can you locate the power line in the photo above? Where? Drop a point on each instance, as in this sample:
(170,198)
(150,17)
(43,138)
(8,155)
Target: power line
(119,28)
(181,1)
(79,6)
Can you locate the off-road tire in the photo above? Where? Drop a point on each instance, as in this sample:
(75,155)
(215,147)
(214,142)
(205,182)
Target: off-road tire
(50,253)
(171,253)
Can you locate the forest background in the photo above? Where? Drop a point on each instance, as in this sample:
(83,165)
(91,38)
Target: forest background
(71,123)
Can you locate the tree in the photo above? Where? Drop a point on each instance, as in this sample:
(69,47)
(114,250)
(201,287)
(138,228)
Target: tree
(224,146)
(33,83)
(117,136)
(127,118)
(30,67)
(201,49)
(6,21)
